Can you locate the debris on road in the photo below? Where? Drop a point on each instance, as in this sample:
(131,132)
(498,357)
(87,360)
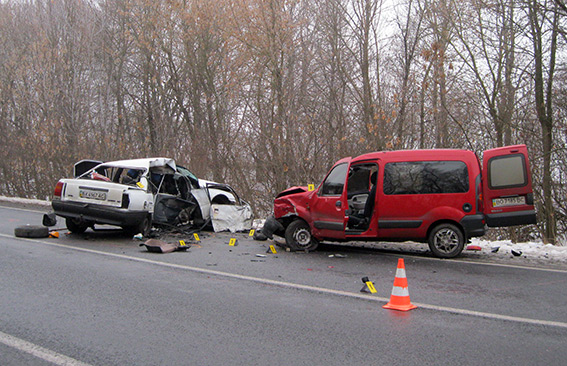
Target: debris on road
(31,231)
(516,253)
(475,248)
(271,225)
(160,246)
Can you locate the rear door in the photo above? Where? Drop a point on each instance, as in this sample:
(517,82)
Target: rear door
(507,187)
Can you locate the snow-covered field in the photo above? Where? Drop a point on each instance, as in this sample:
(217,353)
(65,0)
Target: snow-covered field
(528,253)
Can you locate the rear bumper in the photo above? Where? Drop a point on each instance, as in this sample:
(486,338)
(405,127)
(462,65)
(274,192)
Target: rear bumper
(511,218)
(98,214)
(473,225)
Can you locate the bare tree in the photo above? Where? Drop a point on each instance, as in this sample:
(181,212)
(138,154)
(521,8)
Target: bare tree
(544,21)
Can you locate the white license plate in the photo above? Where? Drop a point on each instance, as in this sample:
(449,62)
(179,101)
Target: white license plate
(509,201)
(93,195)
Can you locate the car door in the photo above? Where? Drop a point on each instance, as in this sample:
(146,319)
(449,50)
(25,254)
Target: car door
(507,187)
(329,204)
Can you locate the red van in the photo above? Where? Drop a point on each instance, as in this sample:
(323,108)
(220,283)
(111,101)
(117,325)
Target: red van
(443,197)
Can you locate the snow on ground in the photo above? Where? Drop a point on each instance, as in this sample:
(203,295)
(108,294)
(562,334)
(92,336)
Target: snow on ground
(530,250)
(528,253)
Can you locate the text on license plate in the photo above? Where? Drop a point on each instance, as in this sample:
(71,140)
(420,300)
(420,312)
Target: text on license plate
(93,195)
(509,201)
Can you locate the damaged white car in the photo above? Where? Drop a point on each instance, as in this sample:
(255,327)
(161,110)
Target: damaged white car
(140,193)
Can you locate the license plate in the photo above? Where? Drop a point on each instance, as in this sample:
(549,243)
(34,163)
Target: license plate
(509,201)
(93,195)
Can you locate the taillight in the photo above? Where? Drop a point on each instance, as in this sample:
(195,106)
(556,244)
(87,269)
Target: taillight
(125,200)
(58,189)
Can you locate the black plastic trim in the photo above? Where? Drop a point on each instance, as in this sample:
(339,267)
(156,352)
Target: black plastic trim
(511,218)
(473,225)
(329,225)
(399,224)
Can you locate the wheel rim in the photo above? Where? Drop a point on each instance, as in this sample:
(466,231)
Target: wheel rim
(302,236)
(446,240)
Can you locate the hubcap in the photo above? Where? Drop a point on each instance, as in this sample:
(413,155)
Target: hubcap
(302,237)
(446,240)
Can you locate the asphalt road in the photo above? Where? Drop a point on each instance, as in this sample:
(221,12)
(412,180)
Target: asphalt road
(101,299)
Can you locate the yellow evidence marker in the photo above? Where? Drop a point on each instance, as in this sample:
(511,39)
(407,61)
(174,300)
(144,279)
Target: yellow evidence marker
(273,249)
(233,242)
(251,233)
(196,237)
(371,287)
(182,243)
(311,187)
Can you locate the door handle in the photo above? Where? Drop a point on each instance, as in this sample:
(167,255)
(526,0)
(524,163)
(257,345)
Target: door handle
(338,204)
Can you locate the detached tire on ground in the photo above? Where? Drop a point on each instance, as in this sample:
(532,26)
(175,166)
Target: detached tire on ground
(446,241)
(298,236)
(31,231)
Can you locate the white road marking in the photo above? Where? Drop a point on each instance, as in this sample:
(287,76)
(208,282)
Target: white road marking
(296,286)
(39,352)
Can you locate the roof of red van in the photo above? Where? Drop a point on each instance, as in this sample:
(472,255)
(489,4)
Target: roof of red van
(432,154)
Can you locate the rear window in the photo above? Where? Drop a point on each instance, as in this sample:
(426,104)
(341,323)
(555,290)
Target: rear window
(426,177)
(507,171)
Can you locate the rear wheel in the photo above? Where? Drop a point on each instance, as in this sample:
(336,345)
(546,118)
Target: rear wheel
(446,241)
(76,226)
(144,227)
(298,236)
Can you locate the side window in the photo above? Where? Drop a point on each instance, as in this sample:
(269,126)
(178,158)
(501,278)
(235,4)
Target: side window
(359,178)
(335,181)
(426,177)
(507,171)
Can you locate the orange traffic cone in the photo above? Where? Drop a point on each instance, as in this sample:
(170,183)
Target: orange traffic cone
(400,300)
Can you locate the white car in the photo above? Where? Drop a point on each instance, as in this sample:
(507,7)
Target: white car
(137,194)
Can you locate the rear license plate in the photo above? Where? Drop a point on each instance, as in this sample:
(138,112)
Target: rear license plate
(93,195)
(509,201)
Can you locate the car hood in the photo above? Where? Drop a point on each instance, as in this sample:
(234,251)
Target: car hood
(292,190)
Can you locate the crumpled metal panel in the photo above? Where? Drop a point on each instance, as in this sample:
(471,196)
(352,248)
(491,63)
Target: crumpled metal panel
(231,217)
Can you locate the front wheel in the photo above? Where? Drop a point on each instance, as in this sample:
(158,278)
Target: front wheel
(446,241)
(298,236)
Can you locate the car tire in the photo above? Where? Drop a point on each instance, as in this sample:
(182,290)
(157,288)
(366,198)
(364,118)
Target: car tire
(144,227)
(31,231)
(298,236)
(76,226)
(446,241)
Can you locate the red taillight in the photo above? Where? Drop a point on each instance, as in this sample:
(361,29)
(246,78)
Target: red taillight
(58,189)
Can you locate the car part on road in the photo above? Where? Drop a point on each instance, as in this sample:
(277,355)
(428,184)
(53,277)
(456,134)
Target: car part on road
(160,246)
(31,231)
(50,219)
(271,226)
